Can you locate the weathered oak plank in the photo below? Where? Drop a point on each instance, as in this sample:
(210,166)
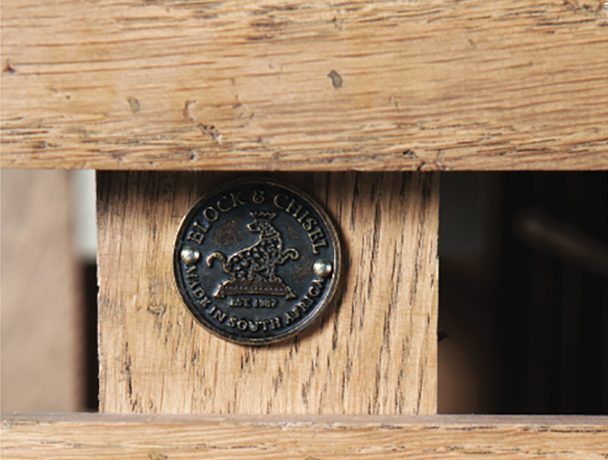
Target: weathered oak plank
(373,353)
(145,437)
(276,85)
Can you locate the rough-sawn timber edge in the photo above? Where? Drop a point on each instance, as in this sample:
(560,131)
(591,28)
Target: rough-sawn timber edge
(417,85)
(162,437)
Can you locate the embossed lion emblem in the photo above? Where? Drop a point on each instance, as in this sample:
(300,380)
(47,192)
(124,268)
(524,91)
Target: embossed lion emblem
(252,269)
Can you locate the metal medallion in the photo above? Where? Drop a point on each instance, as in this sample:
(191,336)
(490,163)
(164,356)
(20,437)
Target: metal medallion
(256,261)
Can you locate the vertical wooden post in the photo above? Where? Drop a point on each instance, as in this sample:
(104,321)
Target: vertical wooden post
(374,352)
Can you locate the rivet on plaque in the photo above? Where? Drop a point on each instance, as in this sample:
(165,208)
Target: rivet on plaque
(256,261)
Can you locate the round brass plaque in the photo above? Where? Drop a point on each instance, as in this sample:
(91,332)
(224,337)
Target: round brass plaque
(256,261)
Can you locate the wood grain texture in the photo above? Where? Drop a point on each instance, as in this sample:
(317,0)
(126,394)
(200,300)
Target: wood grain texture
(438,437)
(374,352)
(277,85)
(40,339)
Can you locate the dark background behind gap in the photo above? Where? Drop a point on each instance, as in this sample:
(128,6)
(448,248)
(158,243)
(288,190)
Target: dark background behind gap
(523,316)
(523,323)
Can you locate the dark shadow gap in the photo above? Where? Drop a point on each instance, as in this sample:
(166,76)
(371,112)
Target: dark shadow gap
(523,313)
(91,364)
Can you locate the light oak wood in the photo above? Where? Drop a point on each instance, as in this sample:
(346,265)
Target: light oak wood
(438,437)
(41,343)
(373,353)
(276,85)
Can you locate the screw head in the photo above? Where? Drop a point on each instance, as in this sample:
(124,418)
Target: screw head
(190,256)
(322,268)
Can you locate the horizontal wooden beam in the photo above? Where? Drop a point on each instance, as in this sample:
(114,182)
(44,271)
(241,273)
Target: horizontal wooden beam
(163,437)
(278,85)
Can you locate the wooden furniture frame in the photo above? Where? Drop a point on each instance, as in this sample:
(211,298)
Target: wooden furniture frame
(359,103)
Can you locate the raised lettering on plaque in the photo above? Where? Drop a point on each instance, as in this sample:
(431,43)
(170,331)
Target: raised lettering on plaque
(256,261)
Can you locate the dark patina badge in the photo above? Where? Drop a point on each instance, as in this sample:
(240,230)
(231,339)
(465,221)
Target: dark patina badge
(256,261)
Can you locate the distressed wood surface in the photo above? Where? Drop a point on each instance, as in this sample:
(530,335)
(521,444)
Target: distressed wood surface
(40,339)
(274,85)
(374,352)
(438,437)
